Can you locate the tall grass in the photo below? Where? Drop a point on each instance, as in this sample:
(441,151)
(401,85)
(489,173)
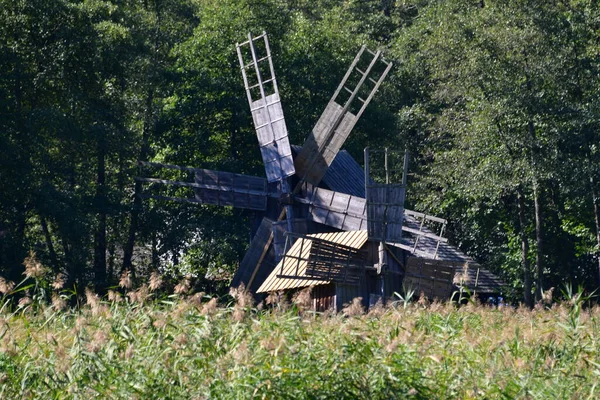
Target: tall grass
(189,347)
(134,344)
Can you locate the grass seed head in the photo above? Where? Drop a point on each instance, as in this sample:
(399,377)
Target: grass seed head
(303,298)
(377,310)
(196,299)
(129,352)
(155,281)
(91,298)
(159,323)
(181,339)
(238,313)
(142,294)
(354,309)
(423,301)
(94,302)
(210,308)
(126,282)
(114,296)
(59,281)
(25,301)
(58,302)
(243,297)
(184,286)
(33,268)
(277,299)
(6,286)
(98,342)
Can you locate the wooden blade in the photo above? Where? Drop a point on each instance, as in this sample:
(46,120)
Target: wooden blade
(338,210)
(216,187)
(341,114)
(265,105)
(253,269)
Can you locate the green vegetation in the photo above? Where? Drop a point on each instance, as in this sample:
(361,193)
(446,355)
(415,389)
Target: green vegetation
(497,102)
(138,346)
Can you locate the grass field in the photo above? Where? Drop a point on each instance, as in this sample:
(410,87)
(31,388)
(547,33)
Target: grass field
(192,347)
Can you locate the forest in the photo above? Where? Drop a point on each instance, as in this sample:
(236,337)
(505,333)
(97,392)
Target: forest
(497,102)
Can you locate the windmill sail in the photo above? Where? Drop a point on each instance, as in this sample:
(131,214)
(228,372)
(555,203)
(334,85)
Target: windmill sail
(335,209)
(265,105)
(214,187)
(341,114)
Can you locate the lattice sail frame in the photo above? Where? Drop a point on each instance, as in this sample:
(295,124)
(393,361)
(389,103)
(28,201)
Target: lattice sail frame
(337,120)
(267,112)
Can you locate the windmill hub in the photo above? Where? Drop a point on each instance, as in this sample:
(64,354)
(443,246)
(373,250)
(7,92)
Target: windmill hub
(286,199)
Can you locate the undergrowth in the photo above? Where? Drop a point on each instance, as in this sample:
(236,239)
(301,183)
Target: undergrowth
(190,346)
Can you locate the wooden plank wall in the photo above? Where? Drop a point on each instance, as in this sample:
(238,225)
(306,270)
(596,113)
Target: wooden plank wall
(323,297)
(433,278)
(385,210)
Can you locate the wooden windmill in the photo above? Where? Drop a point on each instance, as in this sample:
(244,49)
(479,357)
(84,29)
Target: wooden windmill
(291,184)
(296,197)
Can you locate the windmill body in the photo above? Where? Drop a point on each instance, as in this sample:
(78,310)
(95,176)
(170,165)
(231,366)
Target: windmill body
(311,189)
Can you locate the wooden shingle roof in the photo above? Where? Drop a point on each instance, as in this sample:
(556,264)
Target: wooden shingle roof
(296,264)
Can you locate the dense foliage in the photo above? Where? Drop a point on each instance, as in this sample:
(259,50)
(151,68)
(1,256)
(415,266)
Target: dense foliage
(497,102)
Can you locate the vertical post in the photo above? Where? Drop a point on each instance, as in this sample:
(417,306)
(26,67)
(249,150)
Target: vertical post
(387,171)
(405,172)
(367,172)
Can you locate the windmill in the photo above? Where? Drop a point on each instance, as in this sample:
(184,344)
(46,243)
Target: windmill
(302,194)
(289,197)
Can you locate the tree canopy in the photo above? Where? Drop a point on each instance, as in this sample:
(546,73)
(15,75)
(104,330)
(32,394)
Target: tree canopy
(497,102)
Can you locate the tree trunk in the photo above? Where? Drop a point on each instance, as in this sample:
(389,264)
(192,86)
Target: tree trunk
(595,201)
(524,250)
(100,234)
(155,260)
(537,193)
(539,238)
(49,244)
(145,149)
(137,201)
